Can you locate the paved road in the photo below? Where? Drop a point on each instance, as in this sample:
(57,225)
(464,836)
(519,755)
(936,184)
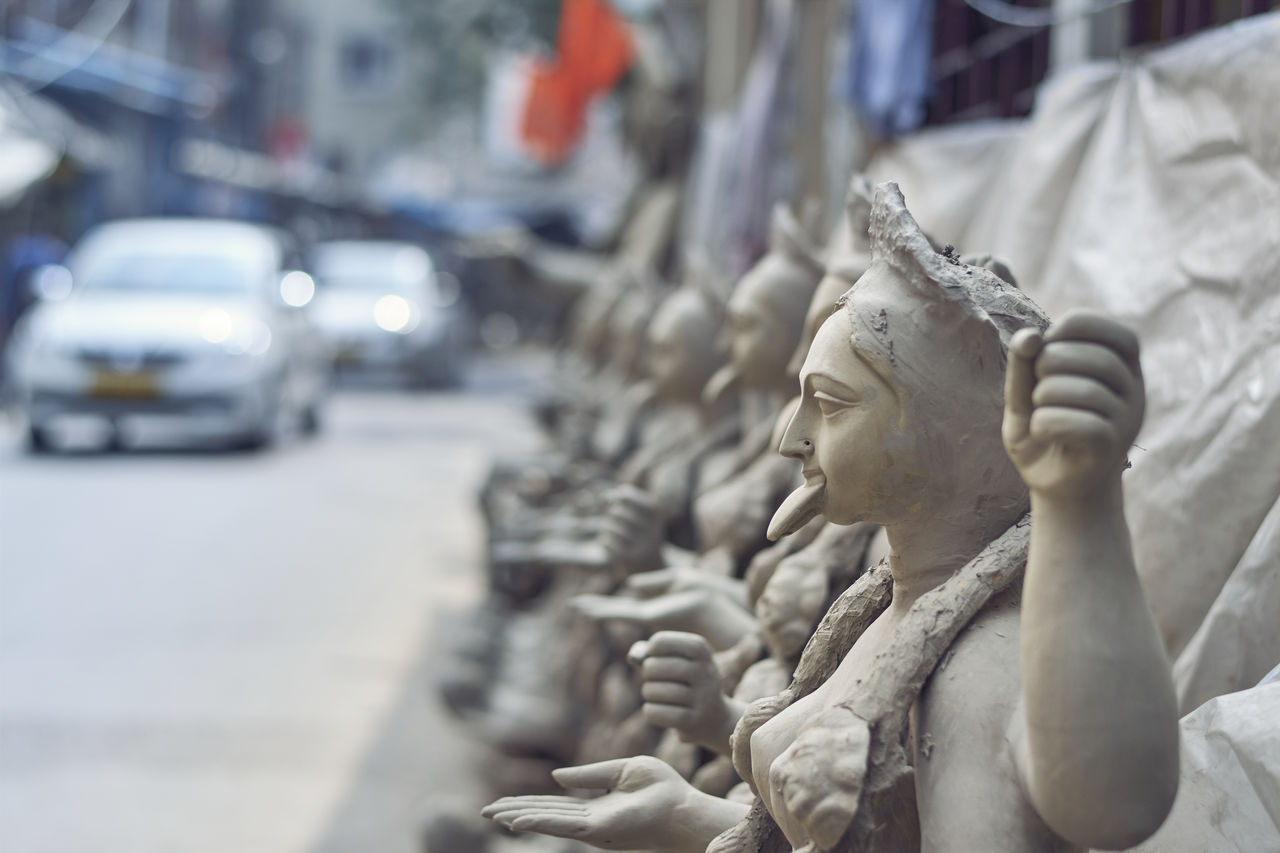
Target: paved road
(207,652)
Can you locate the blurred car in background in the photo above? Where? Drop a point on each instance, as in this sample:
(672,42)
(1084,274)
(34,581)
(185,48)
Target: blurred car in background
(382,306)
(196,321)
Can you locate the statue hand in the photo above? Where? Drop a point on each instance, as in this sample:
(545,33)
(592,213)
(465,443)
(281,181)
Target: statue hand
(612,608)
(1074,401)
(639,811)
(699,611)
(682,690)
(682,579)
(664,611)
(632,529)
(662,581)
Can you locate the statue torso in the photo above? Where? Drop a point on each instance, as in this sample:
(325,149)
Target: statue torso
(967,791)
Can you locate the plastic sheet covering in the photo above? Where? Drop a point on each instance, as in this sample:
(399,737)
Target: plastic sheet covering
(1230,781)
(1150,189)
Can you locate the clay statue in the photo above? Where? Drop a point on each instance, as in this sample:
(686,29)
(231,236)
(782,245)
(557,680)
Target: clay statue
(923,714)
(765,316)
(737,511)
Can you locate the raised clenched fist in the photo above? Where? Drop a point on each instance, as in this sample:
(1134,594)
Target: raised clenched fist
(1074,400)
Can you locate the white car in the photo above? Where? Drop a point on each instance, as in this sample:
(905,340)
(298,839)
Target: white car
(196,321)
(382,306)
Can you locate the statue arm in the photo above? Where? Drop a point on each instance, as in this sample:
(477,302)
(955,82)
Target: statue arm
(1099,744)
(648,806)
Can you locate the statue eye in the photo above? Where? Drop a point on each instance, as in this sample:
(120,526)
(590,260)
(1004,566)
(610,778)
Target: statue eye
(830,405)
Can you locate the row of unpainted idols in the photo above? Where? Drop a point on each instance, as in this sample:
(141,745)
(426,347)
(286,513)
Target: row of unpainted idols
(946,648)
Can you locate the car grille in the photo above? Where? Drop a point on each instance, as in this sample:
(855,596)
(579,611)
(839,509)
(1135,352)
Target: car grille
(131,359)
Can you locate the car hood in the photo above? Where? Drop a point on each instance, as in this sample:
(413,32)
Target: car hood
(124,321)
(346,309)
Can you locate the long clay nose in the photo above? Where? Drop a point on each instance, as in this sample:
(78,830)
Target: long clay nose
(795,439)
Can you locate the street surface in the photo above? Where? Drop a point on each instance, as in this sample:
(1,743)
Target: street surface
(231,652)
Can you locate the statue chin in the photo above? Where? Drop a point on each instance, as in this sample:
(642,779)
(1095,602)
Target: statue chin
(800,507)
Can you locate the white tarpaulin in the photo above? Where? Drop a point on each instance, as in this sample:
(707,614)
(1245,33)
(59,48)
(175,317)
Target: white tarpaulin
(1230,781)
(1150,189)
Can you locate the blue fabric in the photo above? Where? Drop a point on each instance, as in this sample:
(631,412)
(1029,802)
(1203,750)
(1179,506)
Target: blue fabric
(889,65)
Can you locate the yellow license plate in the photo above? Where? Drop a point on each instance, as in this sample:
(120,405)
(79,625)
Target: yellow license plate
(131,385)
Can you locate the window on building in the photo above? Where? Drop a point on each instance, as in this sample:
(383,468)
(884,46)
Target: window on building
(366,64)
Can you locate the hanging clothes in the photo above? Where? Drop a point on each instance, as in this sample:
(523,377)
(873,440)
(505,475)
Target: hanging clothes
(593,51)
(889,81)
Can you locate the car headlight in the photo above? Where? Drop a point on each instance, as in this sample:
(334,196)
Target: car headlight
(234,338)
(394,313)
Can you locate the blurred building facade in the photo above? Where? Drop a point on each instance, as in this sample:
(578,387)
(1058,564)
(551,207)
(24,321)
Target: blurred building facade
(354,104)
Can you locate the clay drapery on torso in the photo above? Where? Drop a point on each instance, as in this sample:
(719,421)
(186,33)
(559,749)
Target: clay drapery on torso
(878,708)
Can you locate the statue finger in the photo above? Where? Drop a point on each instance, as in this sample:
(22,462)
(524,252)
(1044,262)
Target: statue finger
(1078,392)
(534,801)
(622,516)
(561,826)
(667,693)
(509,805)
(1095,327)
(1071,426)
(603,608)
(1086,359)
(669,669)
(602,774)
(666,716)
(611,526)
(509,817)
(648,584)
(632,496)
(684,644)
(1020,381)
(637,653)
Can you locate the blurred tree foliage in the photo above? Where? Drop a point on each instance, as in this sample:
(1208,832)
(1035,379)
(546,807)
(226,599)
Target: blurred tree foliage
(458,39)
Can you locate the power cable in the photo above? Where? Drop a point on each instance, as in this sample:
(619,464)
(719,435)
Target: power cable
(1037,18)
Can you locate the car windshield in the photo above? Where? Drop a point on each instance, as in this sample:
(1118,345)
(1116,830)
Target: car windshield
(141,272)
(374,269)
(367,282)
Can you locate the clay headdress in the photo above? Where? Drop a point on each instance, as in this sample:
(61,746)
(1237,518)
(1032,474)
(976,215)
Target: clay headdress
(792,236)
(850,249)
(929,323)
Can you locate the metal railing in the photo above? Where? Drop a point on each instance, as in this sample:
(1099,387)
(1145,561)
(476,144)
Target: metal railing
(989,68)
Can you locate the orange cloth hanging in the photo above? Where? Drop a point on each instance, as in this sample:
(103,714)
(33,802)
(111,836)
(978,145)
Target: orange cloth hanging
(593,51)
